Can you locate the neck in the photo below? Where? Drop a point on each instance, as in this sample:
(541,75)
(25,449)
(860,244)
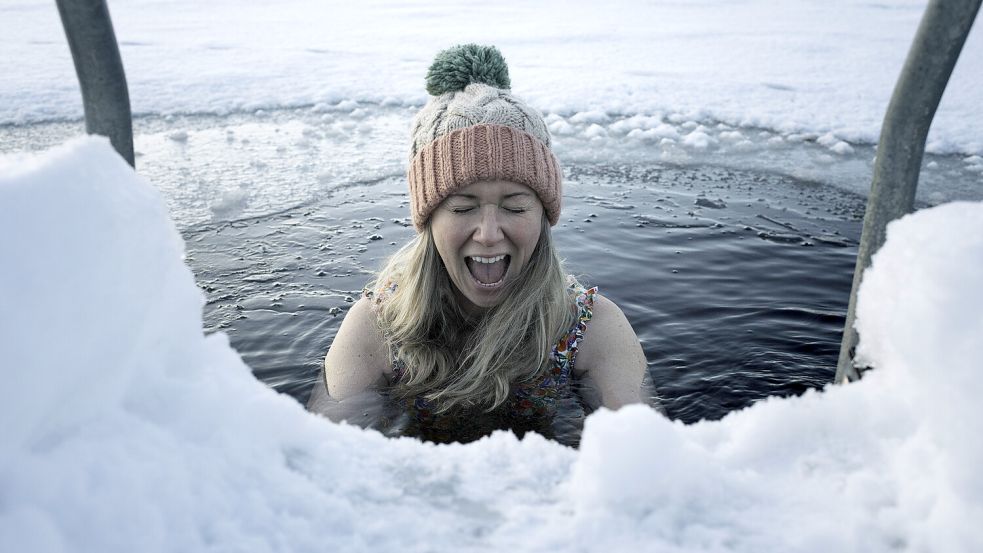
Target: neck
(468,308)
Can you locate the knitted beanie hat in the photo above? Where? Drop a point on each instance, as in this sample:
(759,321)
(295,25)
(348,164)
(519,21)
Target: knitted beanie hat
(473,129)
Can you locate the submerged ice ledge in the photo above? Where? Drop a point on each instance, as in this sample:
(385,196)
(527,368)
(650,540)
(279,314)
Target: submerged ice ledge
(128,429)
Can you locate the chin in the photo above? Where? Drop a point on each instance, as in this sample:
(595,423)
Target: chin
(477,297)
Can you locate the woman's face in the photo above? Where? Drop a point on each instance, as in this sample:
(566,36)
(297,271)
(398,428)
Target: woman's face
(485,234)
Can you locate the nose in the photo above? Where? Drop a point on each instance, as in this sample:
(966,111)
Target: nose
(488,232)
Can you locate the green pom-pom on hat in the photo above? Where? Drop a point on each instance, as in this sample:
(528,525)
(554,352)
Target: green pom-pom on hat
(457,67)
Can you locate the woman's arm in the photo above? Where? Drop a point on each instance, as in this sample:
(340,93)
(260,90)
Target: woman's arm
(610,355)
(356,361)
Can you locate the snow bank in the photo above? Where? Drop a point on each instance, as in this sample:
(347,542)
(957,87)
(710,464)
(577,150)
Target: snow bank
(127,429)
(794,67)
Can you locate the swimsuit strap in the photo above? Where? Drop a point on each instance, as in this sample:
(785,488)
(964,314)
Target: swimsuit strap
(565,351)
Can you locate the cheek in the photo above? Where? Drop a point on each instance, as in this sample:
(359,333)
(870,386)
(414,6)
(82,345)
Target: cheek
(448,246)
(443,236)
(530,237)
(444,251)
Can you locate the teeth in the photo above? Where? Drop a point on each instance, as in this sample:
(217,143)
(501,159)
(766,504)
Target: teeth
(487,259)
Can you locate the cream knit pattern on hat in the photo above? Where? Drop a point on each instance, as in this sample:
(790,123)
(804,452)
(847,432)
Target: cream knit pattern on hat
(480,132)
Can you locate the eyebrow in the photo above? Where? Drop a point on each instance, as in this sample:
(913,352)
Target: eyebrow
(473,197)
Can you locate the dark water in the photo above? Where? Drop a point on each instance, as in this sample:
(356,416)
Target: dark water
(736,282)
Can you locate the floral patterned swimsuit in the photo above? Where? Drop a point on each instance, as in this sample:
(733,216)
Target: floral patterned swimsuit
(530,404)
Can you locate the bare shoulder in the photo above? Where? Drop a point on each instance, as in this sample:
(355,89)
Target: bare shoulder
(358,357)
(361,317)
(608,324)
(611,355)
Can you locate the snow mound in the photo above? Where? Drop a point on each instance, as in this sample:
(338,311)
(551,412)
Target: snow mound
(128,429)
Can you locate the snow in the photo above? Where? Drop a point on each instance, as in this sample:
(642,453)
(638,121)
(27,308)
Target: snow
(595,131)
(126,428)
(698,139)
(791,67)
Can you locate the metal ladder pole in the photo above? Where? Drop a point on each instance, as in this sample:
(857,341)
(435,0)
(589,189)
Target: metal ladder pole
(100,72)
(940,37)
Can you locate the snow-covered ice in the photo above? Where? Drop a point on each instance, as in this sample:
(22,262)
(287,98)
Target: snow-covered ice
(126,428)
(788,76)
(792,67)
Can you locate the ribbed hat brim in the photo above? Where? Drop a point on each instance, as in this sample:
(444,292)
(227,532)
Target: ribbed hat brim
(482,153)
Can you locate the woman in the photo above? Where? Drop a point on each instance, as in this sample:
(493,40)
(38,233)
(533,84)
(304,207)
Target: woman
(474,324)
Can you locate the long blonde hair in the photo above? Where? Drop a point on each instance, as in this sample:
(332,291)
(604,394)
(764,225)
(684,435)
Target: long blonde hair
(454,360)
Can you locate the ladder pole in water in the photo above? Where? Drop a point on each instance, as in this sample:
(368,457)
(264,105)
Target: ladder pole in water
(933,54)
(100,72)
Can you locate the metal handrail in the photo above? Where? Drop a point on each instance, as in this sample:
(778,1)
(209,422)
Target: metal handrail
(100,72)
(938,42)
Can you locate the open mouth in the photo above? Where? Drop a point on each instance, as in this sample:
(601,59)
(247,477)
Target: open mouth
(488,272)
